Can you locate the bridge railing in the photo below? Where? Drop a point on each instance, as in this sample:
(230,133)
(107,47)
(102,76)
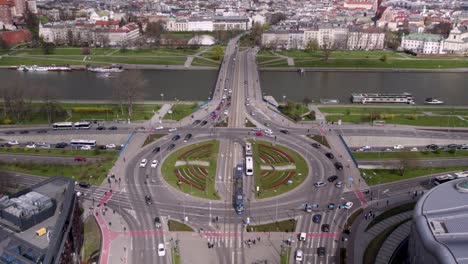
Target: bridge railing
(349,150)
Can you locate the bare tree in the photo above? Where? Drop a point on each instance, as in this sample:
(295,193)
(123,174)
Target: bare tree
(127,89)
(406,160)
(327,48)
(50,105)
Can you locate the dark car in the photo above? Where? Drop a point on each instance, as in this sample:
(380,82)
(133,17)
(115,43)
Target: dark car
(157,222)
(24,132)
(42,131)
(80,159)
(284,131)
(317,218)
(84,185)
(316,145)
(171,147)
(148,200)
(196,122)
(113,128)
(204,123)
(187,137)
(321,252)
(9,132)
(454,146)
(331,206)
(156,149)
(176,137)
(61,145)
(332,178)
(100,128)
(325,228)
(338,165)
(432,146)
(330,155)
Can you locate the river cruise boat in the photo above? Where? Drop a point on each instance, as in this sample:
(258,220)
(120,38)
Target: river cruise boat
(329,101)
(106,69)
(365,98)
(433,101)
(43,68)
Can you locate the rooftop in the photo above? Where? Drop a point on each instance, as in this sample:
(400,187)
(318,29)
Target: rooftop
(441,221)
(19,240)
(424,37)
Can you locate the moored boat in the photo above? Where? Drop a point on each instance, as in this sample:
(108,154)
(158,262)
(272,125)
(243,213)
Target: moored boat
(433,101)
(329,101)
(106,69)
(364,98)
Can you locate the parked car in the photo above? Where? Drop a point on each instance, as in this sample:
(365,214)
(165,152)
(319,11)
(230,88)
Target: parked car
(330,155)
(170,147)
(61,145)
(10,132)
(398,147)
(157,222)
(100,128)
(113,128)
(196,122)
(320,184)
(325,228)
(338,165)
(172,129)
(204,122)
(454,146)
(24,132)
(143,163)
(366,148)
(31,146)
(84,185)
(284,131)
(110,146)
(414,149)
(41,131)
(156,149)
(317,218)
(332,178)
(154,164)
(159,128)
(317,145)
(176,137)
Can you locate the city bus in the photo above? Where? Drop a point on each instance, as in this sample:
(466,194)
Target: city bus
(248,166)
(82,125)
(248,149)
(443,179)
(62,125)
(239,190)
(78,143)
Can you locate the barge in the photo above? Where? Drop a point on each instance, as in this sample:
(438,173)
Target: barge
(365,98)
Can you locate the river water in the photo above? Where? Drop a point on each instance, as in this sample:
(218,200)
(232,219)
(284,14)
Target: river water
(198,84)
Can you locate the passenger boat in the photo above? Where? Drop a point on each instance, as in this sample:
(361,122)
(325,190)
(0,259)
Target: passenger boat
(43,68)
(329,101)
(433,101)
(106,69)
(364,98)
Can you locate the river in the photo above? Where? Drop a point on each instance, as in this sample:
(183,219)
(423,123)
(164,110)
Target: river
(198,84)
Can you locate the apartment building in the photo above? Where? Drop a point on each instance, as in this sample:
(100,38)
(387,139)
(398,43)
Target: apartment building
(423,43)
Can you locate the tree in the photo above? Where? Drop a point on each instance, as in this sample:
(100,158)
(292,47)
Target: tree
(50,106)
(127,88)
(384,58)
(32,24)
(154,31)
(306,101)
(47,47)
(406,160)
(16,103)
(217,53)
(276,18)
(256,34)
(312,46)
(327,48)
(441,29)
(3,44)
(122,22)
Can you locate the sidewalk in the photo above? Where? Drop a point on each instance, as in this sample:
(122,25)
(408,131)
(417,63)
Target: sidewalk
(159,115)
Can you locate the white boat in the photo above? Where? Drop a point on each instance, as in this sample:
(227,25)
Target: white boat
(103,75)
(106,69)
(433,101)
(364,98)
(43,68)
(329,101)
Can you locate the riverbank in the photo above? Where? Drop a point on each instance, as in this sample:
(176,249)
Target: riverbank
(339,69)
(134,67)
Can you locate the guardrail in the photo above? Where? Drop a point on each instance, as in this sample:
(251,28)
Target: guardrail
(348,149)
(128,141)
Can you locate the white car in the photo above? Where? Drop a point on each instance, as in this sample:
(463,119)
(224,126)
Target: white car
(268,131)
(398,147)
(252,113)
(86,148)
(161,250)
(348,205)
(230,90)
(320,184)
(224,96)
(13,142)
(172,129)
(31,146)
(110,146)
(256,129)
(143,163)
(339,184)
(302,236)
(226,112)
(154,164)
(366,148)
(299,255)
(159,128)
(414,149)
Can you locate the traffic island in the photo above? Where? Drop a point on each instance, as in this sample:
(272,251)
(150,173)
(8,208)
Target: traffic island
(192,169)
(277,169)
(178,226)
(281,226)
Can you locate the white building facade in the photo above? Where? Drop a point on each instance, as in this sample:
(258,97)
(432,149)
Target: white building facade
(423,43)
